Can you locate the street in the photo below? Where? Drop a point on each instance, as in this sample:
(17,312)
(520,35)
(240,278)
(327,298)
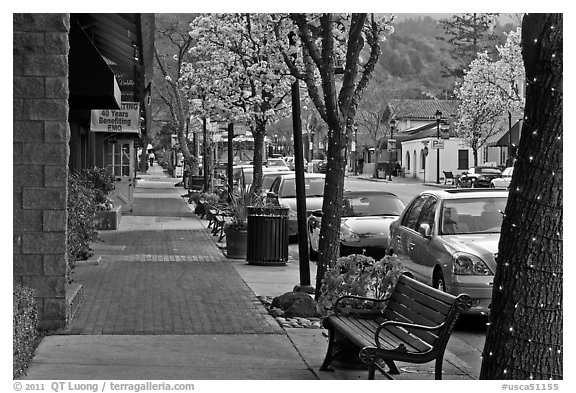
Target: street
(467,340)
(405,191)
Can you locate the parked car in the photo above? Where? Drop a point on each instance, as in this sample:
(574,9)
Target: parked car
(277,164)
(366,218)
(478,176)
(283,190)
(319,166)
(449,238)
(504,181)
(290,161)
(268,175)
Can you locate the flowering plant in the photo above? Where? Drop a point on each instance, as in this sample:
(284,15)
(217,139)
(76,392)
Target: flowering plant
(358,275)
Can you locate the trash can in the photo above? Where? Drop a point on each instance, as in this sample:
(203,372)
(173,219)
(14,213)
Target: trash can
(267,236)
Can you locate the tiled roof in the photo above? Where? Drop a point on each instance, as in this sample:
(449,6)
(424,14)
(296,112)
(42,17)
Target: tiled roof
(421,109)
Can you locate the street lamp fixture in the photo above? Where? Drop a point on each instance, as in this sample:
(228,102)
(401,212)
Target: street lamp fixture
(392,126)
(438,115)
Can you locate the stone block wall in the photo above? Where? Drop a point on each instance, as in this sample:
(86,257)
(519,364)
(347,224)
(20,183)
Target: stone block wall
(40,159)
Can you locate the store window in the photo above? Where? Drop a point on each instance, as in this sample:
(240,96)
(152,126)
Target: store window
(119,159)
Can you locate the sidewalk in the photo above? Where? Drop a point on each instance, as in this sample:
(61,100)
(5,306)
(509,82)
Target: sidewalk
(165,304)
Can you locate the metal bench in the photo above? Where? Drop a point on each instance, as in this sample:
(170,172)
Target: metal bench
(448,175)
(414,327)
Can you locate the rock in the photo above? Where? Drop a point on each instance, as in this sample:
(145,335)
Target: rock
(276,312)
(296,304)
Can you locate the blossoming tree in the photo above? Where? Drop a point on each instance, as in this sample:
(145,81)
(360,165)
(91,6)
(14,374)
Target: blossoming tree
(323,42)
(489,90)
(240,74)
(170,52)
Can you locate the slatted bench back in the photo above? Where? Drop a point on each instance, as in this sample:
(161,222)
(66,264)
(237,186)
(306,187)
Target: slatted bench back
(420,304)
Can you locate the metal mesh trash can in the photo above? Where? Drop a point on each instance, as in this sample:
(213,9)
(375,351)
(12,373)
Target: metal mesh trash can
(267,236)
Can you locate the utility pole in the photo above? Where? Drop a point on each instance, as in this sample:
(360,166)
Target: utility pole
(229,167)
(438,115)
(355,150)
(304,262)
(392,125)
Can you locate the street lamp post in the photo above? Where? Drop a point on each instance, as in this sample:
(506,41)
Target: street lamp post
(392,125)
(304,259)
(355,150)
(438,115)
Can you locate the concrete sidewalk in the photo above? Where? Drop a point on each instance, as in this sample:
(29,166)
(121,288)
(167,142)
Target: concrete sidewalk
(164,303)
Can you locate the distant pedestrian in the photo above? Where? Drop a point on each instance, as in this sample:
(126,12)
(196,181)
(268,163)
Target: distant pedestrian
(151,157)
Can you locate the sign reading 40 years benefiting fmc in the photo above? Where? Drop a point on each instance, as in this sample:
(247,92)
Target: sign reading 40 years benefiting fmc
(126,119)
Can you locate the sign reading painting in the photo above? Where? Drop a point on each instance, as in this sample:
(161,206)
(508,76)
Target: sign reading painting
(126,119)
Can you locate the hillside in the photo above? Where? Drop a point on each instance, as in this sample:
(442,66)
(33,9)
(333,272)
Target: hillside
(415,59)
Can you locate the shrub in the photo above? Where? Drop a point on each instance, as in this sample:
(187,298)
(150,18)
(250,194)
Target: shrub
(82,208)
(25,329)
(102,182)
(358,275)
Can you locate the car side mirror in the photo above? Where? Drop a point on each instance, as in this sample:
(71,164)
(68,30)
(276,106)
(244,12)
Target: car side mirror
(425,230)
(271,195)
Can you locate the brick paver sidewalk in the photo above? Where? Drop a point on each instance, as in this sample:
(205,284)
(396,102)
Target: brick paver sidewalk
(161,273)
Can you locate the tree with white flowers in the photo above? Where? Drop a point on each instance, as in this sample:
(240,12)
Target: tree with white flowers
(240,74)
(171,53)
(490,90)
(334,55)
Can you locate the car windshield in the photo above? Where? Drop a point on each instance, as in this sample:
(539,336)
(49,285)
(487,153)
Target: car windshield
(276,163)
(371,205)
(267,181)
(472,215)
(508,172)
(314,187)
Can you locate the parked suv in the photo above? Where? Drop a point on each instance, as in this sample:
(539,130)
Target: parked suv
(448,239)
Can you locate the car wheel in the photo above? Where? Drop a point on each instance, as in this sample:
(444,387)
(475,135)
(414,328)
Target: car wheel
(438,282)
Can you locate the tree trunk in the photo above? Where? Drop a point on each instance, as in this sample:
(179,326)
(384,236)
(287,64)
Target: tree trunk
(524,339)
(258,135)
(329,245)
(376,158)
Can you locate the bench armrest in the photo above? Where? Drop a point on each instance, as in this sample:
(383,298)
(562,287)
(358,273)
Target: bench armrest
(357,298)
(405,325)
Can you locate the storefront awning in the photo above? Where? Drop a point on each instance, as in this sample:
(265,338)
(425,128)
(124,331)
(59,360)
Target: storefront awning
(91,80)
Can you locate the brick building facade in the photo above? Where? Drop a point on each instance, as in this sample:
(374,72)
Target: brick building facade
(40,159)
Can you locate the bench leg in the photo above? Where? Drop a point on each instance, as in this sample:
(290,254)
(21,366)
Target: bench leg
(371,371)
(328,359)
(438,368)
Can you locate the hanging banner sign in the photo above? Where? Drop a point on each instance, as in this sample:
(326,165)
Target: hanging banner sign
(392,145)
(126,119)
